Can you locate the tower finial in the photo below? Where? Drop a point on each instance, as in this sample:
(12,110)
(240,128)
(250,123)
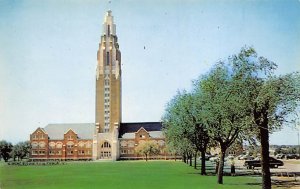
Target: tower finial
(108,13)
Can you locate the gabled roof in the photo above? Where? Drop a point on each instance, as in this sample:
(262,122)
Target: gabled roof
(134,127)
(42,129)
(57,131)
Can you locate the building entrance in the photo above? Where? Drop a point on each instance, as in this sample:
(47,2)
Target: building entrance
(105,151)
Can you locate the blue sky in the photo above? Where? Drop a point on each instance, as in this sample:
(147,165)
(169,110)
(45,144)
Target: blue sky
(48,54)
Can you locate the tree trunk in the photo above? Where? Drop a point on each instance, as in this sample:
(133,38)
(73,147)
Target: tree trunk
(191,162)
(203,171)
(146,158)
(265,166)
(195,161)
(221,165)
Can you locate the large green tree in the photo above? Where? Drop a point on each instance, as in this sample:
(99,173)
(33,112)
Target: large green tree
(224,108)
(246,93)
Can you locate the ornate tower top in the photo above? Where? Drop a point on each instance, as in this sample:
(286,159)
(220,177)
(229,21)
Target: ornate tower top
(109,28)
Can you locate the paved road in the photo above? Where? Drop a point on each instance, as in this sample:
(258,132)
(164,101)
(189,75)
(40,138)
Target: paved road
(289,166)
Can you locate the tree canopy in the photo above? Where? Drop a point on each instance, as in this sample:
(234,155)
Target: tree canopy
(239,98)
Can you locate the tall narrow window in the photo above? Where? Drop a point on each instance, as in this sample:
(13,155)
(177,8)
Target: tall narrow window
(108,29)
(107,58)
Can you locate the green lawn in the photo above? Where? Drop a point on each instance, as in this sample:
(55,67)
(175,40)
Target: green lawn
(117,175)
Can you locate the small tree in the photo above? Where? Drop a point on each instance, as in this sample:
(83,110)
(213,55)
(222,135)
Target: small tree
(5,149)
(147,149)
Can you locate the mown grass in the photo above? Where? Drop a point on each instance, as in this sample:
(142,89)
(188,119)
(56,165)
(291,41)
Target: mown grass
(117,175)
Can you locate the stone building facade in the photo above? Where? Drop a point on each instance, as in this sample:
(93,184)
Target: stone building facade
(108,137)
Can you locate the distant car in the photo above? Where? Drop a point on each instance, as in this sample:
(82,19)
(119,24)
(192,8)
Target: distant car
(274,163)
(214,159)
(206,157)
(280,156)
(292,156)
(246,157)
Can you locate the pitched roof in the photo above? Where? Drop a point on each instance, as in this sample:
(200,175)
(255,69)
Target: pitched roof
(57,131)
(134,127)
(153,134)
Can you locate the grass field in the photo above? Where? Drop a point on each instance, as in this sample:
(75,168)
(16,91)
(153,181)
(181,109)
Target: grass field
(117,175)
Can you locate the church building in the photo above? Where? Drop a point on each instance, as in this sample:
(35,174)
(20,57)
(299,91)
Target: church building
(108,137)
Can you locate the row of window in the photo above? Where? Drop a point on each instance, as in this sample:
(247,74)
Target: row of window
(36,152)
(59,152)
(69,137)
(38,144)
(127,151)
(105,154)
(131,143)
(127,144)
(39,137)
(132,151)
(70,144)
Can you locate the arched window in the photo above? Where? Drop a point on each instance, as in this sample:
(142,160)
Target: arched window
(81,144)
(108,29)
(59,145)
(42,144)
(123,143)
(107,58)
(88,144)
(105,145)
(34,145)
(52,144)
(70,144)
(131,144)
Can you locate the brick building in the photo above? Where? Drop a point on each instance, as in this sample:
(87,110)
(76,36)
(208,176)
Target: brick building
(108,137)
(63,141)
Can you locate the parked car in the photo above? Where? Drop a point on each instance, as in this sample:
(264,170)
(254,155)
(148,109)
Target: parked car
(206,157)
(246,157)
(292,156)
(274,163)
(214,158)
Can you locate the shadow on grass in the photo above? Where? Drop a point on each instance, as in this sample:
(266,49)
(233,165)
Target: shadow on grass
(285,183)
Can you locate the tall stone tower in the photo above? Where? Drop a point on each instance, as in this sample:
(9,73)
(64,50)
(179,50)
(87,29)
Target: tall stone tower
(108,93)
